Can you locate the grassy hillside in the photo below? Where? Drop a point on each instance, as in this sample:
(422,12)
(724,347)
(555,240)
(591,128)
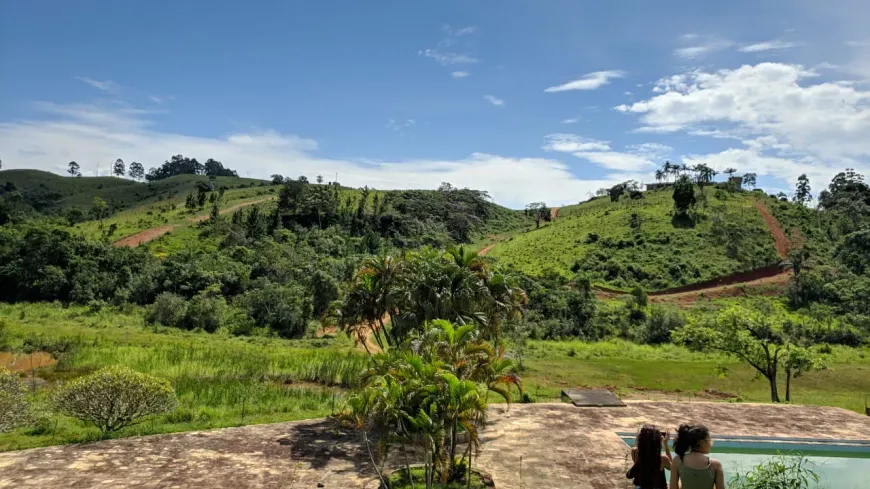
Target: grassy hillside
(52,193)
(640,242)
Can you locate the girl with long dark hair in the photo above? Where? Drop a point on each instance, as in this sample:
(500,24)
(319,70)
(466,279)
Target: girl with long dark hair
(648,471)
(693,468)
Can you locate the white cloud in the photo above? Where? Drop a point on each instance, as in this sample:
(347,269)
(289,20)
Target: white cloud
(93,135)
(637,158)
(572,120)
(787,124)
(447,58)
(464,31)
(589,81)
(768,46)
(700,50)
(400,126)
(689,37)
(570,143)
(105,85)
(459,74)
(858,44)
(494,100)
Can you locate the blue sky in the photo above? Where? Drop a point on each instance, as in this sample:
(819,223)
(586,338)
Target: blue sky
(530,100)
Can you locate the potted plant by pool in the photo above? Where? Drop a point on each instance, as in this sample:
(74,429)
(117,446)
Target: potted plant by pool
(416,401)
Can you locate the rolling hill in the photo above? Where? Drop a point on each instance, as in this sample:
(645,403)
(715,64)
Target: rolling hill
(640,242)
(54,194)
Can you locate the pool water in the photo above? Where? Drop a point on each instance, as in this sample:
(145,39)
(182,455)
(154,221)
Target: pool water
(840,465)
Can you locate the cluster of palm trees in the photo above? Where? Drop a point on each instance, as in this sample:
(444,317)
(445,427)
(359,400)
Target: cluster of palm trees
(418,399)
(391,297)
(700,173)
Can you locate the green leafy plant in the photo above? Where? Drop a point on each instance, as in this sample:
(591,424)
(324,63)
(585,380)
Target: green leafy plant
(782,472)
(115,397)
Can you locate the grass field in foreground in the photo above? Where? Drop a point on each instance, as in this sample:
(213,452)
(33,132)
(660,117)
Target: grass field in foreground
(228,381)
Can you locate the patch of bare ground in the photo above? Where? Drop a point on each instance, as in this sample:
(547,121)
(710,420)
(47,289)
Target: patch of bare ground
(547,445)
(145,236)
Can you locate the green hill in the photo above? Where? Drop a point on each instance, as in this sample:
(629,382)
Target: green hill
(640,242)
(51,193)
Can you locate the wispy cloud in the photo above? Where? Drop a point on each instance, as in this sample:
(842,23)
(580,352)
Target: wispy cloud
(459,74)
(160,99)
(572,120)
(589,81)
(703,49)
(858,44)
(494,100)
(447,58)
(106,85)
(636,158)
(769,46)
(400,126)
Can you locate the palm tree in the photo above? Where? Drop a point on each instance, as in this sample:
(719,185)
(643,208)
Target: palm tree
(660,175)
(370,299)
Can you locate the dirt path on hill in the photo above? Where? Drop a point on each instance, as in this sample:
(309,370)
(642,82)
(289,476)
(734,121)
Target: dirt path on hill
(779,238)
(147,235)
(769,280)
(554,213)
(229,209)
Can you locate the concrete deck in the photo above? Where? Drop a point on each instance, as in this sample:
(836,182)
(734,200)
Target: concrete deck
(554,446)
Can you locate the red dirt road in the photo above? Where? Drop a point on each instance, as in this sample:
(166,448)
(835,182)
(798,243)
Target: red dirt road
(779,238)
(147,235)
(554,213)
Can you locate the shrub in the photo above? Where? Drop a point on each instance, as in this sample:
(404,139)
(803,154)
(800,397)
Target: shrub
(783,472)
(13,405)
(169,310)
(659,325)
(115,397)
(205,312)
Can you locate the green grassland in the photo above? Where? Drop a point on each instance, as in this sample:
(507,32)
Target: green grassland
(658,252)
(220,380)
(229,381)
(49,192)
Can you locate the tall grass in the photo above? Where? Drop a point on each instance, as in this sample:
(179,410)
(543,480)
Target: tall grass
(219,380)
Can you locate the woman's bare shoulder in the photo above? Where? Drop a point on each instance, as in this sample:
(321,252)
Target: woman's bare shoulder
(715,464)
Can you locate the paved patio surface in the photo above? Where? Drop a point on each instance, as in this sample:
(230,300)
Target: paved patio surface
(554,446)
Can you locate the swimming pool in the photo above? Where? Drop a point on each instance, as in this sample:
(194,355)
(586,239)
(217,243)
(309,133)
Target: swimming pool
(841,464)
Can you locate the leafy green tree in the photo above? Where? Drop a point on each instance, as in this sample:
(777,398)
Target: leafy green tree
(136,171)
(100,210)
(115,397)
(750,179)
(684,195)
(539,211)
(854,251)
(277,179)
(802,194)
(118,169)
(73,169)
(797,361)
(730,172)
(284,309)
(750,335)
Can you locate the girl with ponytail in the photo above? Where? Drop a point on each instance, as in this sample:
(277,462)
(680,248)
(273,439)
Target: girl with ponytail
(693,468)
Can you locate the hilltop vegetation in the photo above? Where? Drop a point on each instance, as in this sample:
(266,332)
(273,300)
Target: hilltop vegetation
(641,242)
(35,191)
